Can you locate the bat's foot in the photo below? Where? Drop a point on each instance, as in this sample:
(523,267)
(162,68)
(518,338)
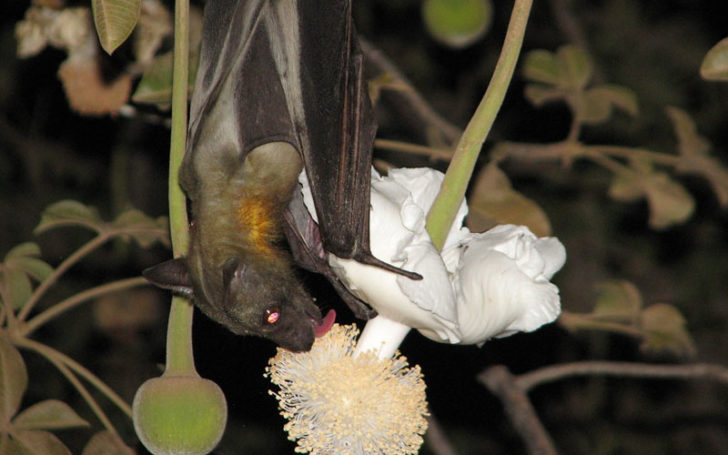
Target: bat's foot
(369,259)
(361,310)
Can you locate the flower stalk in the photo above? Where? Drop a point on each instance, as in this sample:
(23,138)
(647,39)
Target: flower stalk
(382,336)
(444,210)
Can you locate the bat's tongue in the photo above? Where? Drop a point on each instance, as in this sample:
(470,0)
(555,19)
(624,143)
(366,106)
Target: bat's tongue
(328,320)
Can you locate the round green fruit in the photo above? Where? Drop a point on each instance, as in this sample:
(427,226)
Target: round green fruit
(179,415)
(457,23)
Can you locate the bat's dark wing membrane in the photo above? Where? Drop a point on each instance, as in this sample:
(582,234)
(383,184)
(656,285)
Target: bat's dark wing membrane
(340,128)
(239,101)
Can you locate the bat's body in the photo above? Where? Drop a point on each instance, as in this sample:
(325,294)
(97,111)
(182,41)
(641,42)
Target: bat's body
(279,89)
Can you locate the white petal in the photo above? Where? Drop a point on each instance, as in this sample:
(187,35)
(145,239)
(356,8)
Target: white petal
(502,285)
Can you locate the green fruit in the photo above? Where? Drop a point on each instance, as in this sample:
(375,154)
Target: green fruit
(182,415)
(457,23)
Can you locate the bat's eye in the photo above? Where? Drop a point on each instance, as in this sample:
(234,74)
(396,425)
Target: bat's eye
(272,315)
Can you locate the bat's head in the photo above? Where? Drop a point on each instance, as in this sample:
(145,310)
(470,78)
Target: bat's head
(247,298)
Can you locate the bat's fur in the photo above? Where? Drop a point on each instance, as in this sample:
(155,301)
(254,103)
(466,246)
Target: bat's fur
(235,270)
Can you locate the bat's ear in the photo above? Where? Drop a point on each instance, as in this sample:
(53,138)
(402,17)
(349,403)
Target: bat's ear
(173,275)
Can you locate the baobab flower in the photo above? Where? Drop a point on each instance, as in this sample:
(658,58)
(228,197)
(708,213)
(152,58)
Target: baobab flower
(341,398)
(480,286)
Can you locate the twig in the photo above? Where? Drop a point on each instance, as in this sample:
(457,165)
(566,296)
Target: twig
(60,270)
(434,153)
(418,106)
(67,367)
(77,299)
(512,389)
(59,358)
(436,438)
(552,373)
(519,410)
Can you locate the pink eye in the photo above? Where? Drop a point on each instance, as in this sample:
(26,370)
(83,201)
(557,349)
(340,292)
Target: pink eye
(272,315)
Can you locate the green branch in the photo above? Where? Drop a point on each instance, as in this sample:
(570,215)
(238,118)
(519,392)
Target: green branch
(443,211)
(69,368)
(60,270)
(179,329)
(78,299)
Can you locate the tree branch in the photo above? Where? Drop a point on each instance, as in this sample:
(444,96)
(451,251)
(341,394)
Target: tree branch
(712,372)
(436,438)
(512,390)
(518,409)
(411,99)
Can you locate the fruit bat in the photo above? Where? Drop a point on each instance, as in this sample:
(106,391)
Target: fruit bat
(279,88)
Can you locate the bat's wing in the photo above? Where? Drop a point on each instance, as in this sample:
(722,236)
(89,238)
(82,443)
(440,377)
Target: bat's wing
(339,129)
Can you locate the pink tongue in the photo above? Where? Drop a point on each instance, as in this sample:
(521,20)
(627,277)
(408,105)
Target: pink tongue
(326,324)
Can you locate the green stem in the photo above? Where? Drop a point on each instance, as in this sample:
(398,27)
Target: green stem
(414,149)
(77,299)
(179,330)
(443,211)
(629,152)
(575,321)
(180,358)
(177,202)
(60,270)
(566,150)
(67,366)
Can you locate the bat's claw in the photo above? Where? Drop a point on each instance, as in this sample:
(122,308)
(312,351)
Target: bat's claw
(369,259)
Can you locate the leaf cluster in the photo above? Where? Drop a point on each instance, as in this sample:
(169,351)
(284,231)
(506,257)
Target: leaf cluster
(638,173)
(565,76)
(27,432)
(660,327)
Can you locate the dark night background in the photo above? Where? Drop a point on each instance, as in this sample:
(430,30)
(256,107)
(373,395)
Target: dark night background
(49,153)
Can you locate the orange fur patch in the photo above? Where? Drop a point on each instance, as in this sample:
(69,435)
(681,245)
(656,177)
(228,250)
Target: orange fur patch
(255,216)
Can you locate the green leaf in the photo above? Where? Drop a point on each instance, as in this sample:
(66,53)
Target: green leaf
(41,443)
(36,268)
(13,380)
(690,143)
(493,201)
(665,331)
(575,66)
(695,158)
(715,62)
(539,94)
(617,96)
(48,415)
(155,86)
(591,108)
(106,443)
(142,228)
(27,249)
(626,187)
(541,66)
(115,20)
(618,299)
(24,257)
(717,176)
(11,446)
(17,287)
(669,201)
(69,213)
(19,266)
